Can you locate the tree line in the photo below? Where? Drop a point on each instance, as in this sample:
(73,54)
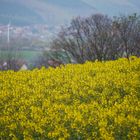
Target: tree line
(97,37)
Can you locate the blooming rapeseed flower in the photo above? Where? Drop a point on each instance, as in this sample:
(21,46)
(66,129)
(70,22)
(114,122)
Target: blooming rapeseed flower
(99,100)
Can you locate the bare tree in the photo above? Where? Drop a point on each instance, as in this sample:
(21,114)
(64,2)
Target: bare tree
(96,37)
(101,37)
(128,28)
(88,39)
(10,56)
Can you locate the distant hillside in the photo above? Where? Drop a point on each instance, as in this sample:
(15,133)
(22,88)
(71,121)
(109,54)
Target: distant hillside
(55,12)
(52,12)
(115,7)
(18,14)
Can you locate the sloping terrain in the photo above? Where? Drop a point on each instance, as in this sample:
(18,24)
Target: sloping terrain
(54,12)
(18,14)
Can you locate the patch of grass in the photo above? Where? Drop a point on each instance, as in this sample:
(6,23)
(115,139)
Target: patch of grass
(26,55)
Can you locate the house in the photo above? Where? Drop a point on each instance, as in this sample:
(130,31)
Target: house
(24,67)
(13,65)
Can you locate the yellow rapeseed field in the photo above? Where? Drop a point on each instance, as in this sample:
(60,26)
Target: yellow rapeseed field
(99,100)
